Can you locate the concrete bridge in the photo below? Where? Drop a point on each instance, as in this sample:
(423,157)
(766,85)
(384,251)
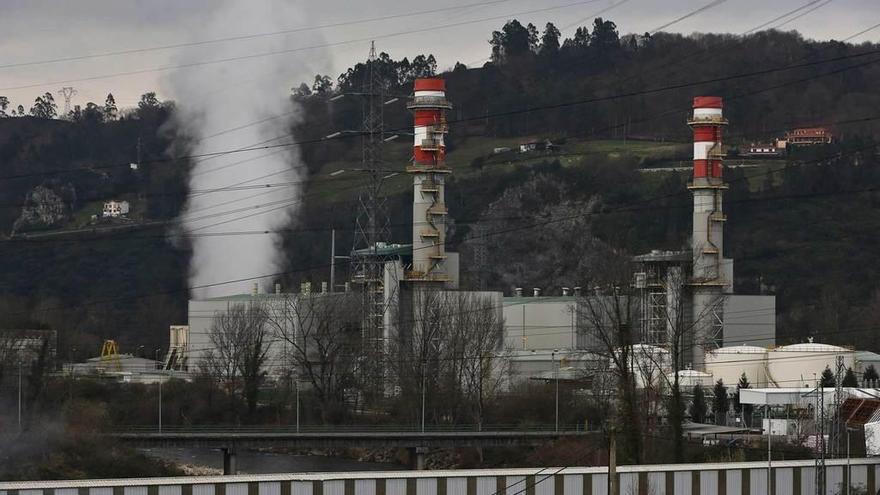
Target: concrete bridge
(232,438)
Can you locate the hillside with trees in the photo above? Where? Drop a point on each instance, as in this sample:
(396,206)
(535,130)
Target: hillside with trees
(802,226)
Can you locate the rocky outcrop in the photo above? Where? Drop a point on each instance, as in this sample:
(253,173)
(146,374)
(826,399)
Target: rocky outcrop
(45,206)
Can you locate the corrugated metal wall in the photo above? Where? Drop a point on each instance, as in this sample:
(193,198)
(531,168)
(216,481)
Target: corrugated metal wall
(791,478)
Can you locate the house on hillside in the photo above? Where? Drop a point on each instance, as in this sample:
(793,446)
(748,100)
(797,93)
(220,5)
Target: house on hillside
(115,209)
(757,149)
(538,145)
(808,136)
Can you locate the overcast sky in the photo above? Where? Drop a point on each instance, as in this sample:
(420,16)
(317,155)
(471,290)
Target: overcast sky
(39,30)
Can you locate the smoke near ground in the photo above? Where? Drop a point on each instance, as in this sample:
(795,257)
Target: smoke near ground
(234,105)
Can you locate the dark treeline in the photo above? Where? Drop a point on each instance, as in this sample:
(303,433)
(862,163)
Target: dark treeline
(536,70)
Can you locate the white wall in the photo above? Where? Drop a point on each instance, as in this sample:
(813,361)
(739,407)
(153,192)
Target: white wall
(539,323)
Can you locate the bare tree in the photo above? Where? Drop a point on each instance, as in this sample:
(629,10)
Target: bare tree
(606,317)
(449,343)
(321,333)
(238,356)
(477,336)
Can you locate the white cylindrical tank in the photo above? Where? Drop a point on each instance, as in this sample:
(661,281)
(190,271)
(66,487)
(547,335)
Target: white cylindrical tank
(799,365)
(729,363)
(649,363)
(688,379)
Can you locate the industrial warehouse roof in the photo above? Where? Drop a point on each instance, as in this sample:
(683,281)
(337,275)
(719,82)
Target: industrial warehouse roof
(246,297)
(783,396)
(261,296)
(658,255)
(513,300)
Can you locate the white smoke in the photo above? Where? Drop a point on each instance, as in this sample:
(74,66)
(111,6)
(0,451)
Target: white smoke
(236,105)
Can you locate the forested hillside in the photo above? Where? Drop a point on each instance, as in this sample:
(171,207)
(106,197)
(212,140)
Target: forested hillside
(802,226)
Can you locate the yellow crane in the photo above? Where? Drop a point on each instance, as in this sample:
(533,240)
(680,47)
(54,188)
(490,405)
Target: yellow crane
(110,355)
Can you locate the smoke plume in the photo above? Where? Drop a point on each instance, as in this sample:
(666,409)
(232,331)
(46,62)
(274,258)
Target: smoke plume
(234,105)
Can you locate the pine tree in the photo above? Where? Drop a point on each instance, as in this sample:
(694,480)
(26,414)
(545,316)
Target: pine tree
(720,402)
(698,405)
(827,380)
(550,39)
(849,379)
(870,374)
(744,409)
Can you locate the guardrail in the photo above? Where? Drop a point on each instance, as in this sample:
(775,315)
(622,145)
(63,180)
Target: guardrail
(353,429)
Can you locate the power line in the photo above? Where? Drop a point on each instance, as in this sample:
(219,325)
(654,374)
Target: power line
(826,2)
(246,36)
(323,266)
(783,16)
(505,113)
(297,49)
(505,219)
(690,14)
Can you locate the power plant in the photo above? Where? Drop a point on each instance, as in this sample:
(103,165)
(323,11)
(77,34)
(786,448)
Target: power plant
(678,296)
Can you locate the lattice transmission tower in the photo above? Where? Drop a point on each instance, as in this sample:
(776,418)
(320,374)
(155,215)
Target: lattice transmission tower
(67,93)
(372,231)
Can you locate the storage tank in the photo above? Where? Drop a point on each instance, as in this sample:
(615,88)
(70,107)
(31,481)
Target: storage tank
(799,365)
(648,362)
(688,379)
(729,363)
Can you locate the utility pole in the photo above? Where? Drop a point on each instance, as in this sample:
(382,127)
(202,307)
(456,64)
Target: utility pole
(19,395)
(612,462)
(556,383)
(160,404)
(332,260)
(769,455)
(67,93)
(424,366)
(820,438)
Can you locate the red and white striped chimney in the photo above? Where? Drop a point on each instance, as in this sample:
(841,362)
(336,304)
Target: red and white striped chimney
(429,106)
(709,278)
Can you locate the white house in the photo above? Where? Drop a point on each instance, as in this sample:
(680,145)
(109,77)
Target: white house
(115,209)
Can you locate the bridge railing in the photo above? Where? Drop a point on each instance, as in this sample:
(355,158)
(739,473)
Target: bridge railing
(354,429)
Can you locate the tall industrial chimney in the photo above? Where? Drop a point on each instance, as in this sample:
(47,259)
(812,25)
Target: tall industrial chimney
(429,170)
(709,276)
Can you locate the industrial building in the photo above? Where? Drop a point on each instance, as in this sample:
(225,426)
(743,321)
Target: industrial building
(689,293)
